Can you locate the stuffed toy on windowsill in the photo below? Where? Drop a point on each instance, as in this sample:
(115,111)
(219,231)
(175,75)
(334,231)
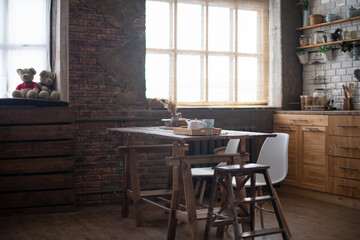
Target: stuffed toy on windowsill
(27,89)
(47,86)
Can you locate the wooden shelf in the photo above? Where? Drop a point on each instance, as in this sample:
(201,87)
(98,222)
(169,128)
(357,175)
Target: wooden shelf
(328,43)
(329,23)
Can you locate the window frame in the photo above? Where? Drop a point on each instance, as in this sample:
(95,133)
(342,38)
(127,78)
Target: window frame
(262,54)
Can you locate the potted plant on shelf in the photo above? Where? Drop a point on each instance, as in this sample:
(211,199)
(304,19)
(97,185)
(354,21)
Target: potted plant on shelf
(326,52)
(346,47)
(303,57)
(304,4)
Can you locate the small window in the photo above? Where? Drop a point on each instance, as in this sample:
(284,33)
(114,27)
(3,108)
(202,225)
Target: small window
(24,40)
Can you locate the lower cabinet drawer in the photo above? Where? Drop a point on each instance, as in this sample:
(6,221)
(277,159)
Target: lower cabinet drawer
(345,187)
(344,167)
(344,146)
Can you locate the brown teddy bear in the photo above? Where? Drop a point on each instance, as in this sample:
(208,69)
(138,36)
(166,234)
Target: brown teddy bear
(47,86)
(27,89)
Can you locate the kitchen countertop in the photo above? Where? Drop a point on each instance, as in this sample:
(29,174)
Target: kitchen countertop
(314,112)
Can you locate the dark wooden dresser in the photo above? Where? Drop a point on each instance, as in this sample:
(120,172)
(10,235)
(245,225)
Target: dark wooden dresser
(37,160)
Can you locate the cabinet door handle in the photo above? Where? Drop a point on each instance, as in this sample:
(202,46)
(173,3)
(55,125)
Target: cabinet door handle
(298,120)
(315,129)
(283,127)
(343,147)
(345,126)
(346,186)
(347,168)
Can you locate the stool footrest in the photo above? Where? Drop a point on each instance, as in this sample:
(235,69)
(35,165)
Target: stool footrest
(231,221)
(255,199)
(262,232)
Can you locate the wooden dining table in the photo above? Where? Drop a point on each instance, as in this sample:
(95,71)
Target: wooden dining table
(180,181)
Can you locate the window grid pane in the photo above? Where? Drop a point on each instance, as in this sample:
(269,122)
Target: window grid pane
(190,26)
(189,84)
(157,25)
(230,74)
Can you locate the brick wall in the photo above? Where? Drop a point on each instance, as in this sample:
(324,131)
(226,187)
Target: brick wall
(98,165)
(340,71)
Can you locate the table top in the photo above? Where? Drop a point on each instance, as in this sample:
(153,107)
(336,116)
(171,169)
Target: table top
(169,134)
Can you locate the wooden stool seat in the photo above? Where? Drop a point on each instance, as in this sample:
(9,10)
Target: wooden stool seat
(229,213)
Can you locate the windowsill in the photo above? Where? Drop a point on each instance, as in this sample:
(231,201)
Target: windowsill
(25,102)
(229,107)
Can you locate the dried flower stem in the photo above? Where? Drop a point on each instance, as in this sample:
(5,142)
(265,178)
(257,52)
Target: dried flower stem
(171,106)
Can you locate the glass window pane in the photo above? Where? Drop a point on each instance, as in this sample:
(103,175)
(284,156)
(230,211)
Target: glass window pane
(219,29)
(2,14)
(157,24)
(219,79)
(247,79)
(190,26)
(157,75)
(189,78)
(247,31)
(3,77)
(33,58)
(27,22)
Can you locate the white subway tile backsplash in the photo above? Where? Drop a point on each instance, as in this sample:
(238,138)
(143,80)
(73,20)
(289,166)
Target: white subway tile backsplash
(330,72)
(346,78)
(356,63)
(336,65)
(335,79)
(350,70)
(339,71)
(346,64)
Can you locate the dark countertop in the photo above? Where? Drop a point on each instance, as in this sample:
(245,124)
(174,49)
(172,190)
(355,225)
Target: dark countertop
(314,112)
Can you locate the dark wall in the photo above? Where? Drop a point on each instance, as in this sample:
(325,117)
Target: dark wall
(107,88)
(291,18)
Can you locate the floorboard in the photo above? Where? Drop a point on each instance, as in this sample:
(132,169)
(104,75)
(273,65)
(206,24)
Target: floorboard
(308,219)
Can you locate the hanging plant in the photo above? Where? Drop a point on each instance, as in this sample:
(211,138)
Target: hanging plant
(346,46)
(304,4)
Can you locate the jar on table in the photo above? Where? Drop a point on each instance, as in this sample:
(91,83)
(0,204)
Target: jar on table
(319,37)
(305,40)
(319,97)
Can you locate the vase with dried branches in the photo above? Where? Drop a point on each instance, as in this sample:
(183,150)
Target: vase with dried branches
(171,107)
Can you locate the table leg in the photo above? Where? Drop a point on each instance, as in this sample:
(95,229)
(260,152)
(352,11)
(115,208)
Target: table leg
(126,181)
(135,186)
(175,203)
(190,200)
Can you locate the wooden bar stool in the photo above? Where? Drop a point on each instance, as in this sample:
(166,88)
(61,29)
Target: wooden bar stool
(229,213)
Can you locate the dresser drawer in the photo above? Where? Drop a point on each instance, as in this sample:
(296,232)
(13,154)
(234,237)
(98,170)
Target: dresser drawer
(344,126)
(344,167)
(344,146)
(346,187)
(301,120)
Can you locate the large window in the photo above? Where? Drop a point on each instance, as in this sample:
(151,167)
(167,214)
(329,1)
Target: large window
(24,40)
(207,52)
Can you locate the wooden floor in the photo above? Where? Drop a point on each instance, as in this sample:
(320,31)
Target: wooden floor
(308,220)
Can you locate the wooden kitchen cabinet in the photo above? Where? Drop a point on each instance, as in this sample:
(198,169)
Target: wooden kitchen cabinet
(292,177)
(314,160)
(308,157)
(344,155)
